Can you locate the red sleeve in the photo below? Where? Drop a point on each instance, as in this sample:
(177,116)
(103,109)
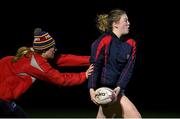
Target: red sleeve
(72,60)
(54,76)
(67,79)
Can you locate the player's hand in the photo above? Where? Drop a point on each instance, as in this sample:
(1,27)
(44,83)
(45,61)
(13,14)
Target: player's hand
(93,94)
(117,90)
(89,70)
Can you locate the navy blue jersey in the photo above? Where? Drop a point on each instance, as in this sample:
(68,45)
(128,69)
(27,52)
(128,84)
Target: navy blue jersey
(113,60)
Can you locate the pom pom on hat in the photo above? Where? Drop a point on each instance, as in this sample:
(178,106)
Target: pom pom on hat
(42,40)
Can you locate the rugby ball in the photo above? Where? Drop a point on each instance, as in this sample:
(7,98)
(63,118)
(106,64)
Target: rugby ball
(105,95)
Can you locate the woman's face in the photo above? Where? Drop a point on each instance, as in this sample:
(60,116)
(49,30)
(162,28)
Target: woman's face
(122,25)
(49,54)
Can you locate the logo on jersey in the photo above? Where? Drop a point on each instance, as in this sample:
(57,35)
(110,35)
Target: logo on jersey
(128,55)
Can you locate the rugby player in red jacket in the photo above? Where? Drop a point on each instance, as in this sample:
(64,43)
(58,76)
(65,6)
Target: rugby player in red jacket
(19,72)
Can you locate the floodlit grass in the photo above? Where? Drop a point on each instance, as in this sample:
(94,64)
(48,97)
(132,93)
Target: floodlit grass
(69,113)
(89,113)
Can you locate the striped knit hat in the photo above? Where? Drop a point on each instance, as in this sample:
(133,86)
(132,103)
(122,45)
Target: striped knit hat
(42,40)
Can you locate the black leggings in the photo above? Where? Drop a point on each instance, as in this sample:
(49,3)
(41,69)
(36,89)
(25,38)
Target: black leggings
(11,109)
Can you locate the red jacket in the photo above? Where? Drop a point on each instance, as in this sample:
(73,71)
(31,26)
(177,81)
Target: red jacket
(17,77)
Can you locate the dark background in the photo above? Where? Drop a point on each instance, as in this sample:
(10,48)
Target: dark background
(154,85)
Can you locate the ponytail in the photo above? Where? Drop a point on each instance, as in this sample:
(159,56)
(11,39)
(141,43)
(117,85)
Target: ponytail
(22,51)
(102,23)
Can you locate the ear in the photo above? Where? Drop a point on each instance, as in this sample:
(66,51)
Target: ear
(115,24)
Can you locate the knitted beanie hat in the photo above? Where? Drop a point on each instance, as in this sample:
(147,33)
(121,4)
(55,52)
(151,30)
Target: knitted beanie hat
(42,40)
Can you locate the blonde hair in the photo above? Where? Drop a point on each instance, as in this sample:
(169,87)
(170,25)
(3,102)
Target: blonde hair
(105,21)
(22,51)
(102,23)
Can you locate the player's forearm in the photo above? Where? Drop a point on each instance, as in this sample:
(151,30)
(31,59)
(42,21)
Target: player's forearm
(72,60)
